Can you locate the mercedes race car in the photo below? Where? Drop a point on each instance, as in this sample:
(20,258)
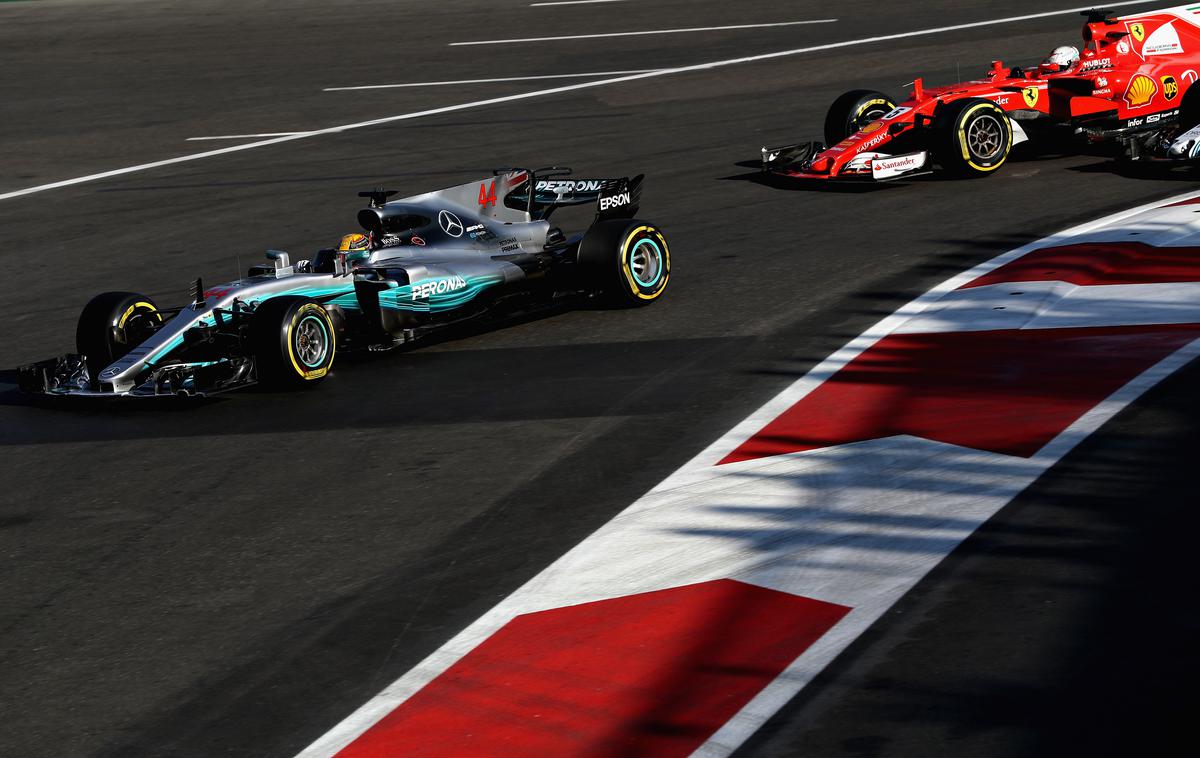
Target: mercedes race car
(423,263)
(1131,85)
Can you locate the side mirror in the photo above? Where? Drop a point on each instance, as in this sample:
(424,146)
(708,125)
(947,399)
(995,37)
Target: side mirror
(283,263)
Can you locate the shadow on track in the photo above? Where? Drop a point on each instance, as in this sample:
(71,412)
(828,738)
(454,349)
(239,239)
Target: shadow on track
(1059,614)
(775,181)
(1141,170)
(420,387)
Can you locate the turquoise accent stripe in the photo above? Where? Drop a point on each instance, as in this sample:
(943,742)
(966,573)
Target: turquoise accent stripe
(346,292)
(398,299)
(658,253)
(320,325)
(401,298)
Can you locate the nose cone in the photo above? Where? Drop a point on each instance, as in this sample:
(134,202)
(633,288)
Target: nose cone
(1182,148)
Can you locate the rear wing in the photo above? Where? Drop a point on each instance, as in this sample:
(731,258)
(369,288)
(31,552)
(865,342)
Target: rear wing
(614,198)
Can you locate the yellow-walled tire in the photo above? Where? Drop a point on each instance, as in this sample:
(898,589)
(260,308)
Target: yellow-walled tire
(852,111)
(294,342)
(625,262)
(112,324)
(973,137)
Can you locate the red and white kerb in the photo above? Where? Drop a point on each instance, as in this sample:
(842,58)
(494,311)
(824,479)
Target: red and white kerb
(685,622)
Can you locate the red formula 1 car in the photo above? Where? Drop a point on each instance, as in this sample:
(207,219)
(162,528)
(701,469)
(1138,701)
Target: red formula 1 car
(1131,85)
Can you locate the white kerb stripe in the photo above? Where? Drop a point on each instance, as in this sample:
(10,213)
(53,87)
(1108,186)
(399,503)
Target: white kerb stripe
(543,93)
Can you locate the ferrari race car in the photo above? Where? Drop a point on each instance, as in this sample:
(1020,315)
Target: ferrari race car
(424,263)
(1131,85)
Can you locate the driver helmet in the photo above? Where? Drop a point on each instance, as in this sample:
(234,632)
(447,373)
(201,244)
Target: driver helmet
(357,247)
(1060,59)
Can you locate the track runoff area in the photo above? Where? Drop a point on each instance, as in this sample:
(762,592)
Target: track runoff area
(684,623)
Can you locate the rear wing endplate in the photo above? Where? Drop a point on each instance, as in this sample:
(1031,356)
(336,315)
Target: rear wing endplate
(614,198)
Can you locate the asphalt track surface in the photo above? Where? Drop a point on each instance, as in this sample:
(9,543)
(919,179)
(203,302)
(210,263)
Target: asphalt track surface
(235,577)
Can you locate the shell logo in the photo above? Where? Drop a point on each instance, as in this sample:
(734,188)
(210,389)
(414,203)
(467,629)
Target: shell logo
(1140,91)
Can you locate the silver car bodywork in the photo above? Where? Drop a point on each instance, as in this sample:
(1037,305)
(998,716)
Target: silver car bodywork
(436,256)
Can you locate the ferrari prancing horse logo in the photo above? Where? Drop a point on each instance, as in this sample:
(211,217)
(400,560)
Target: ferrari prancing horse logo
(1031,96)
(1138,31)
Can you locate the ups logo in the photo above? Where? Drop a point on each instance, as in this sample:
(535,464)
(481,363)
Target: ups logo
(1170,87)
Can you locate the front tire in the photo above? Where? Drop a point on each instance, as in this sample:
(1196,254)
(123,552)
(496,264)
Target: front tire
(854,110)
(294,342)
(112,324)
(625,262)
(973,137)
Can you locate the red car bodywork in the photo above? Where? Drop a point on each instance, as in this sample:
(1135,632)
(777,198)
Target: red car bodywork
(1132,75)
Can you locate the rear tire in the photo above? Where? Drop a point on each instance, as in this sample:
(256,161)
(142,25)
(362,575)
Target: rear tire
(854,110)
(1189,108)
(625,262)
(972,137)
(294,342)
(112,324)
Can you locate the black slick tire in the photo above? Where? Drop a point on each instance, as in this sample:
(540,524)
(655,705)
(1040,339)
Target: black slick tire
(972,137)
(294,342)
(625,262)
(112,324)
(1189,108)
(854,110)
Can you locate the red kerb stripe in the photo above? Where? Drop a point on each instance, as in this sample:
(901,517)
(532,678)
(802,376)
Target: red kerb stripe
(1007,391)
(649,674)
(1093,263)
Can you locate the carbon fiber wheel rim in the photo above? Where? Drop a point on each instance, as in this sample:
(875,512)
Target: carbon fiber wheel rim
(646,263)
(985,137)
(312,341)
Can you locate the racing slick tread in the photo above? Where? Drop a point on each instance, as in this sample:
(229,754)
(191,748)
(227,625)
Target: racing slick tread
(627,263)
(957,156)
(95,336)
(274,339)
(851,111)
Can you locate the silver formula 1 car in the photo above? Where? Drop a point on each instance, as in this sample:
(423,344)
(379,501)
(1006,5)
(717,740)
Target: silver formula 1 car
(429,261)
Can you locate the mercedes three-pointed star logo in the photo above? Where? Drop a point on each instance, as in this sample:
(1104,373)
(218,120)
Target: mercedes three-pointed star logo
(450,224)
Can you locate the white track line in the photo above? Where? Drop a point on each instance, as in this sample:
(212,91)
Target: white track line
(486,81)
(543,93)
(245,136)
(642,33)
(573,2)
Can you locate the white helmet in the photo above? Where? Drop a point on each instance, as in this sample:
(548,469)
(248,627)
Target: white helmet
(1063,59)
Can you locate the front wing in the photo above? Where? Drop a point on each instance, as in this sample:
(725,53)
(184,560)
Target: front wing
(68,376)
(797,161)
